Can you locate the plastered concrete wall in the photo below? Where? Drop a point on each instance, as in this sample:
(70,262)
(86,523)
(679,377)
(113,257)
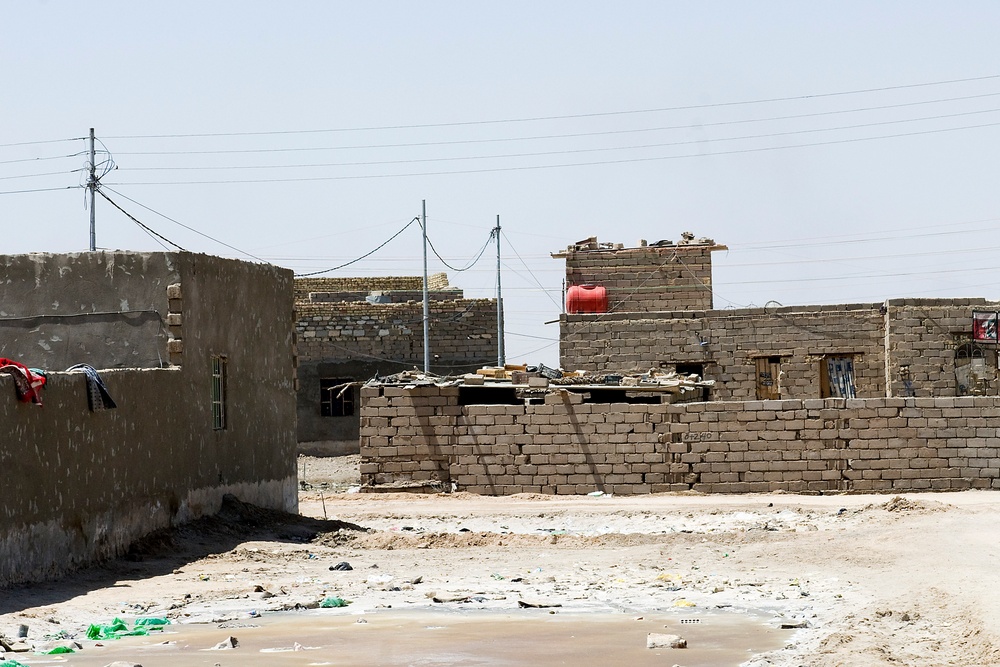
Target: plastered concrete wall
(80,486)
(569,447)
(104,308)
(649,279)
(728,342)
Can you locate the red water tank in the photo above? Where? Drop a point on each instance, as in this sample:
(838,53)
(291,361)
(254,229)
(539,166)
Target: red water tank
(586,299)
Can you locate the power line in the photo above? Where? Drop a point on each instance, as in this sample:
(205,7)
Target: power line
(567,116)
(46,157)
(17,192)
(574,151)
(136,221)
(593,163)
(35,143)
(539,137)
(358,259)
(472,263)
(192,229)
(50,173)
(533,277)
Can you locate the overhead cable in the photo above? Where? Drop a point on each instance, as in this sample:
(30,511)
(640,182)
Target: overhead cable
(187,227)
(576,135)
(592,163)
(358,259)
(472,263)
(568,116)
(35,143)
(131,217)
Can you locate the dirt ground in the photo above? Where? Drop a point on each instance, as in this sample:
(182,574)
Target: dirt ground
(870,580)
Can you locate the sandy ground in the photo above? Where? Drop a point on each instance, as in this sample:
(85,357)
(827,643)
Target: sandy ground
(872,580)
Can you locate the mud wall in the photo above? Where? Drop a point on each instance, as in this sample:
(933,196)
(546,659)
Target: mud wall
(568,446)
(81,486)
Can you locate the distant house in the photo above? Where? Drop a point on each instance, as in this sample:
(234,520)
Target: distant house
(660,315)
(352,329)
(196,353)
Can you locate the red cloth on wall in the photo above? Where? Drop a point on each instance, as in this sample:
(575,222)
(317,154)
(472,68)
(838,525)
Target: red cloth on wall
(27,383)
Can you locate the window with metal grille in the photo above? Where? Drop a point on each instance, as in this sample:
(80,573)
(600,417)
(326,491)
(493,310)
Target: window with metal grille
(219,393)
(336,397)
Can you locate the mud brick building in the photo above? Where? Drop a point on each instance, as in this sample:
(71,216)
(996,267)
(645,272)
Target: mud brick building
(353,329)
(197,353)
(894,396)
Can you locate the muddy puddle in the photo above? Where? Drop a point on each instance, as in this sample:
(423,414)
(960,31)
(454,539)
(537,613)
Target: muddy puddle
(441,637)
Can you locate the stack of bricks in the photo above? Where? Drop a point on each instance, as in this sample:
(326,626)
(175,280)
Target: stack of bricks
(647,279)
(567,446)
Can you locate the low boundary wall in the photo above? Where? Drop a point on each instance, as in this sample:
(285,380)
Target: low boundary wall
(426,435)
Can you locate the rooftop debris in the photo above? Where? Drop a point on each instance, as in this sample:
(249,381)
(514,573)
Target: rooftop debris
(542,377)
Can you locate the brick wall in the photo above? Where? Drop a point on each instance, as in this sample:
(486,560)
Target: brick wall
(649,279)
(462,331)
(727,343)
(923,336)
(567,446)
(303,286)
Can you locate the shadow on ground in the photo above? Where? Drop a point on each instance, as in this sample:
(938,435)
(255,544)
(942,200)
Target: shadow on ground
(166,550)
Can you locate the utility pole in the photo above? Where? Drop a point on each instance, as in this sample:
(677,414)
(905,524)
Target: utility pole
(92,186)
(427,309)
(501,356)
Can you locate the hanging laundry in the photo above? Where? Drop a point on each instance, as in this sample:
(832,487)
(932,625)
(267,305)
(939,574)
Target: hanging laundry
(97,394)
(28,382)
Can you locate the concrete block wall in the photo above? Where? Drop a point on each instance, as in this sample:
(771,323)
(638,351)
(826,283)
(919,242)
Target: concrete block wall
(727,344)
(462,331)
(648,279)
(568,446)
(303,286)
(922,338)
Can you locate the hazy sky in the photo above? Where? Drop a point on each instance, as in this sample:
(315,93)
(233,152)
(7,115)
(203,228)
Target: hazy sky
(327,123)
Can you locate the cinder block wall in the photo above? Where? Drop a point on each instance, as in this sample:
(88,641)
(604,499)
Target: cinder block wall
(728,342)
(922,338)
(569,447)
(647,279)
(463,330)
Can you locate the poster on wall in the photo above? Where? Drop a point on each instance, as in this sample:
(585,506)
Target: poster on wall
(984,326)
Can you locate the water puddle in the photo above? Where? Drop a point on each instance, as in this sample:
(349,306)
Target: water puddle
(442,637)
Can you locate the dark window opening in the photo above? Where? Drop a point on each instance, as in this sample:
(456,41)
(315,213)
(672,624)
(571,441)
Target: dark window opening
(336,397)
(691,369)
(488,396)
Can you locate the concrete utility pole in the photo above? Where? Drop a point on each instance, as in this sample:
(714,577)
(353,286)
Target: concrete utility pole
(92,186)
(427,308)
(501,356)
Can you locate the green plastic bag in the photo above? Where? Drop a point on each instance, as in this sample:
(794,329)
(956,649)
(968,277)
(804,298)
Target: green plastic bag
(57,650)
(11,663)
(327,603)
(151,622)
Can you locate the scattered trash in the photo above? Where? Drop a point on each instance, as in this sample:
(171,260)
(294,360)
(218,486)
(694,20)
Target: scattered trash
(793,625)
(329,603)
(684,603)
(118,629)
(657,640)
(342,566)
(497,576)
(231,642)
(525,604)
(450,597)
